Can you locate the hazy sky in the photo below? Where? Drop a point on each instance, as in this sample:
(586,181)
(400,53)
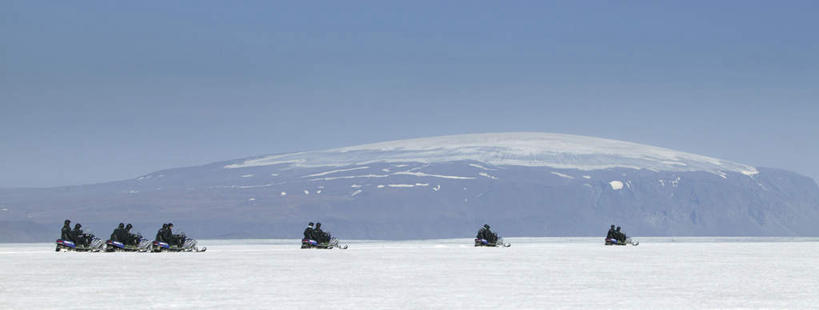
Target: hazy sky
(100,91)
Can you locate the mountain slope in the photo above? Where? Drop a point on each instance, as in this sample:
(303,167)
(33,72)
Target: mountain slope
(525,184)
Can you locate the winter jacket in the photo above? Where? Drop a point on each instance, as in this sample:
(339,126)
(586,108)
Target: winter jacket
(611,234)
(308,233)
(65,233)
(319,235)
(159,235)
(167,235)
(118,235)
(486,234)
(78,234)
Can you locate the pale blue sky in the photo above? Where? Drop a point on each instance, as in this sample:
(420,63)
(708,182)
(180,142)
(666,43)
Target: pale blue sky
(102,90)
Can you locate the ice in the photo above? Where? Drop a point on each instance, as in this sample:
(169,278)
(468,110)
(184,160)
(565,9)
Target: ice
(351,177)
(513,149)
(563,175)
(334,171)
(539,273)
(421,174)
(401,185)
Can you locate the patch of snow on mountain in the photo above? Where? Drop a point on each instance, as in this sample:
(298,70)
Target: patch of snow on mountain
(421,174)
(334,171)
(616,185)
(517,149)
(356,192)
(480,167)
(484,174)
(566,176)
(351,177)
(437,188)
(255,186)
(247,175)
(401,185)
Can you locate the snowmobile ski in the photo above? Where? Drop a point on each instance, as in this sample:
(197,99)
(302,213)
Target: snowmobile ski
(628,241)
(499,243)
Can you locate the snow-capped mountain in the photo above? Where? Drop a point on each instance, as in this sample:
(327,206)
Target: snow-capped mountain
(524,184)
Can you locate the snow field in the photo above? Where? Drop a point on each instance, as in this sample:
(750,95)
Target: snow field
(535,273)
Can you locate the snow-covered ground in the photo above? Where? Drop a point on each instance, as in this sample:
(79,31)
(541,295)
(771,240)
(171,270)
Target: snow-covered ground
(537,273)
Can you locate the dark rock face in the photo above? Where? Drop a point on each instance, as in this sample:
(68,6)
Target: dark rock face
(411,200)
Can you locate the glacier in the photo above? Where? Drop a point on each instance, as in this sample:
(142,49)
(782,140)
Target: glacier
(525,184)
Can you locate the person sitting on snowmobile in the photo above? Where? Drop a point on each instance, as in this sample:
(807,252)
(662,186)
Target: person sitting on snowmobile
(621,237)
(486,233)
(160,233)
(170,238)
(129,237)
(319,235)
(80,237)
(118,235)
(65,232)
(308,232)
(611,233)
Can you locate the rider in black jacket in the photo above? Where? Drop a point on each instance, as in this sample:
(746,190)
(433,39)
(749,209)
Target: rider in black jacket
(486,233)
(611,233)
(308,232)
(80,238)
(319,235)
(118,235)
(161,233)
(65,232)
(129,237)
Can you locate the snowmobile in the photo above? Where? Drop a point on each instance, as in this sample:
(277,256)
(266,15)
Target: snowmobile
(498,243)
(612,241)
(95,245)
(313,244)
(142,245)
(189,245)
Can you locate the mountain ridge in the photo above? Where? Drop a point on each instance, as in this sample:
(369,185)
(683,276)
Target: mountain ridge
(447,194)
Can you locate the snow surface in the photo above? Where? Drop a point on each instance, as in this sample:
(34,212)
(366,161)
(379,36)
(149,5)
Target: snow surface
(516,149)
(539,273)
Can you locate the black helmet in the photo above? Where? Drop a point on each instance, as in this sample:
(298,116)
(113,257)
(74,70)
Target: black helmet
(612,225)
(78,225)
(68,221)
(129,226)
(318,225)
(310,224)
(618,228)
(170,224)
(121,225)
(486,226)
(164,225)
